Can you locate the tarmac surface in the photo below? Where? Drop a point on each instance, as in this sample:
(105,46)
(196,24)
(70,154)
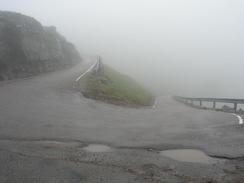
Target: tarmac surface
(45,127)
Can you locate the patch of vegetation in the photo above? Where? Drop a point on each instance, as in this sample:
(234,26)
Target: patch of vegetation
(113,87)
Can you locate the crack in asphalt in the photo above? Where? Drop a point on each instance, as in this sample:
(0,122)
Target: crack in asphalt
(124,168)
(241,158)
(153,149)
(70,159)
(42,139)
(145,171)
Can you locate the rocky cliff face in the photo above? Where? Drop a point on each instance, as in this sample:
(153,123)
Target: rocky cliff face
(27,48)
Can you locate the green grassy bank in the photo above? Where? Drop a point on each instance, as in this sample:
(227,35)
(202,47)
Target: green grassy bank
(113,87)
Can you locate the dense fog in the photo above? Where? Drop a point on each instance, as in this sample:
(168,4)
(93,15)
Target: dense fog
(182,47)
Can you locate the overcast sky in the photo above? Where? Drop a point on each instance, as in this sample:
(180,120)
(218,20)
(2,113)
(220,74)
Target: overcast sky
(188,47)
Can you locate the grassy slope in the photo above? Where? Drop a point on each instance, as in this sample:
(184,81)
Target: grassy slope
(114,87)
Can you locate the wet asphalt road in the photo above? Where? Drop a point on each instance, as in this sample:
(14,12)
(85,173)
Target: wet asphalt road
(44,125)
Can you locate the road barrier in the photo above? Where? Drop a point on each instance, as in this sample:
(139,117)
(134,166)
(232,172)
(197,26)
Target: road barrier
(190,101)
(94,67)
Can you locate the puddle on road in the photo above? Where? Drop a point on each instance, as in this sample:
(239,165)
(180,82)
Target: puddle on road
(188,155)
(97,148)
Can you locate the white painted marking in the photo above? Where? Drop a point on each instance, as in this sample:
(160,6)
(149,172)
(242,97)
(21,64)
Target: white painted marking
(88,70)
(239,118)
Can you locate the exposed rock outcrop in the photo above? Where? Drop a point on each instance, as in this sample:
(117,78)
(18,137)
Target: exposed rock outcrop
(27,48)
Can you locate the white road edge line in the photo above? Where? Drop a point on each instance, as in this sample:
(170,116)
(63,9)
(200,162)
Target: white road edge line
(88,70)
(239,118)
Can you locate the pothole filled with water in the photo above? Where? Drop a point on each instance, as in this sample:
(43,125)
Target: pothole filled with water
(97,148)
(188,155)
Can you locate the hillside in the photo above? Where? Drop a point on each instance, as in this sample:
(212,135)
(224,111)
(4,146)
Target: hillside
(108,85)
(27,48)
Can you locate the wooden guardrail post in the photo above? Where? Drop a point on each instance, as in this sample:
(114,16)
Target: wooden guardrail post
(214,104)
(235,106)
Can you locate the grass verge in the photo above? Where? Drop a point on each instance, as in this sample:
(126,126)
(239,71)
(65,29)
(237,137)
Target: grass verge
(113,87)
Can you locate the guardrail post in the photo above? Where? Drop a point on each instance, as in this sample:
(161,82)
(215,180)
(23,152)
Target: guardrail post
(214,104)
(235,106)
(200,103)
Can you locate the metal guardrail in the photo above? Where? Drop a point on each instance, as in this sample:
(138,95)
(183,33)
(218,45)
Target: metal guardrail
(188,100)
(94,66)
